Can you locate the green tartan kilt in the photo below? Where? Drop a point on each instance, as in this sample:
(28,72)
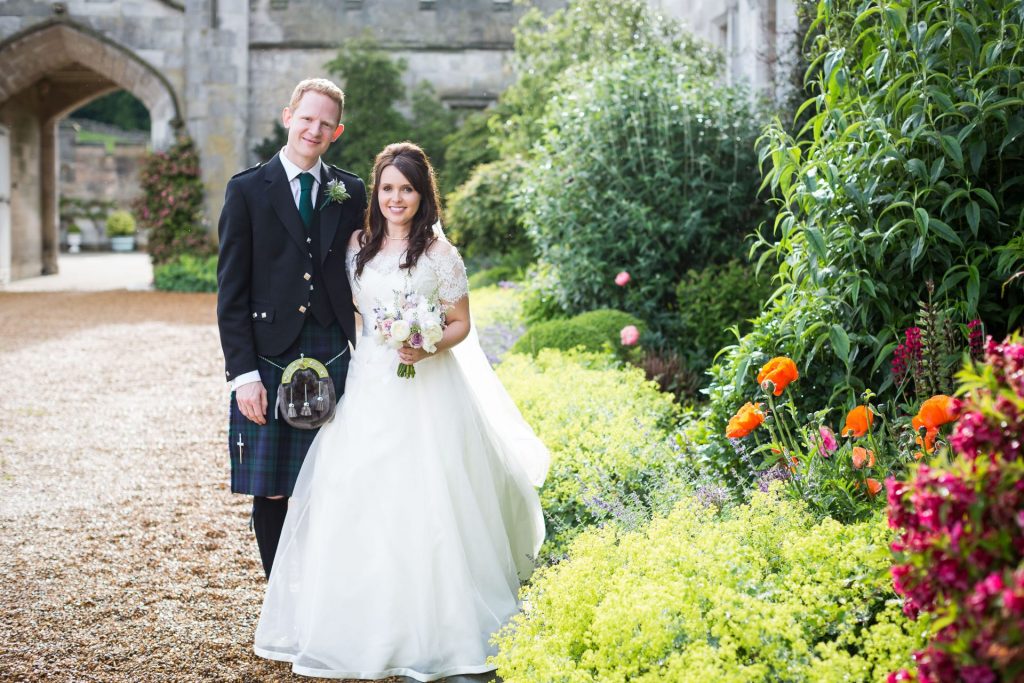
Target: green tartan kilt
(272,454)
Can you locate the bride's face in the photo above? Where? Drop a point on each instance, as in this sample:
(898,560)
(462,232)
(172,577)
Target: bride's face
(397,198)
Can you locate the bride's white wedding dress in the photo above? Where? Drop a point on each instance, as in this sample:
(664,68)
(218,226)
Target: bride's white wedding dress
(415,514)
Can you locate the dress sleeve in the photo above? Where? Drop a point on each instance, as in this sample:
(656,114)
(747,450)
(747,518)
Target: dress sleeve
(452,283)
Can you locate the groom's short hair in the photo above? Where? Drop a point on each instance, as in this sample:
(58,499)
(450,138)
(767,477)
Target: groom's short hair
(322,86)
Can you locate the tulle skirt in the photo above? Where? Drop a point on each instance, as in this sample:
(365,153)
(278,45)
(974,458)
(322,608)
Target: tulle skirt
(411,525)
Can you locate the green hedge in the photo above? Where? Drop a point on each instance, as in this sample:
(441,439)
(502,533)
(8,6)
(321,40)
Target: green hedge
(759,592)
(607,428)
(186,273)
(594,331)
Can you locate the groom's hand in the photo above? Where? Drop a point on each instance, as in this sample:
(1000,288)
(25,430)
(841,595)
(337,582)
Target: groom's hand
(252,401)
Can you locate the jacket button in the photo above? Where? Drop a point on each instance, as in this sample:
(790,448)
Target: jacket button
(308,240)
(302,309)
(306,276)
(263,315)
(254,315)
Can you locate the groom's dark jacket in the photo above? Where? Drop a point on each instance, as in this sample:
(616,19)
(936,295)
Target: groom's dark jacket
(266,263)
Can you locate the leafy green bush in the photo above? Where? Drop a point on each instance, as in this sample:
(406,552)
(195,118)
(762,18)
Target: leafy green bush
(594,331)
(908,172)
(645,166)
(911,173)
(714,299)
(485,209)
(187,273)
(760,592)
(171,203)
(607,429)
(120,224)
(484,218)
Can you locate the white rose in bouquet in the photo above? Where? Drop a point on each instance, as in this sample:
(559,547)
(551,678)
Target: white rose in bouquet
(400,330)
(431,335)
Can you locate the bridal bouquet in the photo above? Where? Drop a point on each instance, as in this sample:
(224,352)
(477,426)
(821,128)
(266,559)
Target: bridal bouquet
(411,319)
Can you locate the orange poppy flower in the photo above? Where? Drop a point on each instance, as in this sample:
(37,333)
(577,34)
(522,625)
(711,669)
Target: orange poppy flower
(936,411)
(858,422)
(874,486)
(780,371)
(746,420)
(862,456)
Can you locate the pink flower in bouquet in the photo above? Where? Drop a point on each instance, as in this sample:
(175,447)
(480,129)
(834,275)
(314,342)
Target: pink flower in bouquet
(622,279)
(416,340)
(629,335)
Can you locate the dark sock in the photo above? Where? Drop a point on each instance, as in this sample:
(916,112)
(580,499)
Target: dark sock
(267,520)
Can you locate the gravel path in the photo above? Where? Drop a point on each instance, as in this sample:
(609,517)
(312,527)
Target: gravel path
(123,555)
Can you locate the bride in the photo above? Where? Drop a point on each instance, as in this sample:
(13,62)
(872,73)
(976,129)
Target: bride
(415,514)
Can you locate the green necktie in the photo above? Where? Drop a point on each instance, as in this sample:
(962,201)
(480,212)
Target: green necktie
(306,198)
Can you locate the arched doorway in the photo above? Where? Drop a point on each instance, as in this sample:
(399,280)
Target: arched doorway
(48,71)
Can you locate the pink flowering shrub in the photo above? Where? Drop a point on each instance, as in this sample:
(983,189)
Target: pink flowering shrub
(960,549)
(171,204)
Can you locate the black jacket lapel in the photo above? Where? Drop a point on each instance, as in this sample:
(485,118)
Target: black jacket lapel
(280,193)
(330,216)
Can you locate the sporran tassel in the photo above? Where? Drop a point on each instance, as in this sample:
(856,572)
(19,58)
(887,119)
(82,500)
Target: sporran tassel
(306,411)
(291,404)
(321,400)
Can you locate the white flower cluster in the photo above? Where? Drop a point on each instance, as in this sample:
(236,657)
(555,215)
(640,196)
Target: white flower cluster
(411,319)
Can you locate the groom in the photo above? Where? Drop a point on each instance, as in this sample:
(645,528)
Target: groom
(282,293)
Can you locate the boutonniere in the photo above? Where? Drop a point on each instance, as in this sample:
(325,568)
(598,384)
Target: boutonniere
(335,192)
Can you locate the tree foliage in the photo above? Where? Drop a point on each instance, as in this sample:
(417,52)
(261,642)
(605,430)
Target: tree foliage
(120,108)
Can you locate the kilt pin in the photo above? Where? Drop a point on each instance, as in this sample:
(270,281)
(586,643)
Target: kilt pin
(265,459)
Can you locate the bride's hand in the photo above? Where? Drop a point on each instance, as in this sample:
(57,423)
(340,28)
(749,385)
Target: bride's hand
(410,355)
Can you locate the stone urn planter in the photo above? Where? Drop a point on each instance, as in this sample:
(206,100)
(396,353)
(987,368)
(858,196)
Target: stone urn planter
(74,242)
(123,243)
(121,231)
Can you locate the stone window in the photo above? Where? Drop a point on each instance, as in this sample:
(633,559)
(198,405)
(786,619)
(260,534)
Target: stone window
(502,5)
(353,4)
(428,5)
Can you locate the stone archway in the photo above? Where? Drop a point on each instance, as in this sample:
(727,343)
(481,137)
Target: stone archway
(47,71)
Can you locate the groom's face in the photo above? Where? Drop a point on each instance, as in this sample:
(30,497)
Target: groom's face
(311,127)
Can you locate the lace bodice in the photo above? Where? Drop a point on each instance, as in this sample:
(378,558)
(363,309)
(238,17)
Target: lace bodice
(439,270)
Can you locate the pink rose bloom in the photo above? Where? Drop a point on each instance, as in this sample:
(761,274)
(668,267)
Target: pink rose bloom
(629,334)
(622,279)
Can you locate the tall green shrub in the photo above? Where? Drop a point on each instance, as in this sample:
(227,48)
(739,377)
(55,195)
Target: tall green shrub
(910,171)
(483,217)
(585,32)
(170,205)
(648,166)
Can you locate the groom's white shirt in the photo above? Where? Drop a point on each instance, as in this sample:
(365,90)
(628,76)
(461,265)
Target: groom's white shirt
(292,171)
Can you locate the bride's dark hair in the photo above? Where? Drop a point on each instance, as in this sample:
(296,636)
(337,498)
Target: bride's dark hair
(412,162)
